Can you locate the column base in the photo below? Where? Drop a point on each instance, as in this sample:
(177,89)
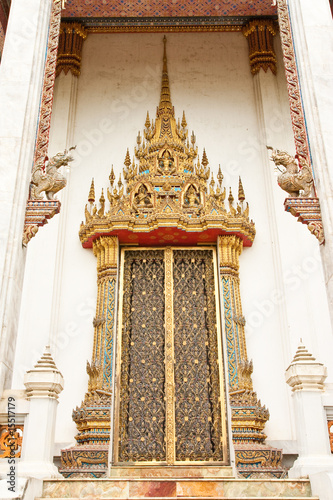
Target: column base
(305,466)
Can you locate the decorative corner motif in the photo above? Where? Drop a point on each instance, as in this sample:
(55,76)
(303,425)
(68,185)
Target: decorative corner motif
(71,38)
(298,182)
(260,34)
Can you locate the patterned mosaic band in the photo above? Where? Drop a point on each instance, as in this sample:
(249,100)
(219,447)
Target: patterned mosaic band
(156,8)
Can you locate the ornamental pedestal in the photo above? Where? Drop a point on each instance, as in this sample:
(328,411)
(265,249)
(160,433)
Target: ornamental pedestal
(306,378)
(43,385)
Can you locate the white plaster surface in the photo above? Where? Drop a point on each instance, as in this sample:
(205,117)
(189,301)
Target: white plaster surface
(282,283)
(313,40)
(21,73)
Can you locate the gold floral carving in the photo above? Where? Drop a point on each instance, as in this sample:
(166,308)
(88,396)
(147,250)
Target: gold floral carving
(11,441)
(260,34)
(71,38)
(197,392)
(142,415)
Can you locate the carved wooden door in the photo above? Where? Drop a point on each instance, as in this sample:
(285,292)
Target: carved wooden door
(170,400)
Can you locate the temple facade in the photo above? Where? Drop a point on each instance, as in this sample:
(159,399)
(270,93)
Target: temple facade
(166,249)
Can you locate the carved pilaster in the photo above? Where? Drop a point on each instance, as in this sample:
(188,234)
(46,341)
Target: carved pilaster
(71,38)
(90,457)
(248,415)
(260,34)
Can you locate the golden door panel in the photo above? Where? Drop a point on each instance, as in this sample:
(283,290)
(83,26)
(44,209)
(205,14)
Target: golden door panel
(197,382)
(169,400)
(142,402)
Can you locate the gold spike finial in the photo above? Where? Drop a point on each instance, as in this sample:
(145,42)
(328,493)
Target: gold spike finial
(127,161)
(204,160)
(241,194)
(91,196)
(220,176)
(112,176)
(147,124)
(231,198)
(184,122)
(165,101)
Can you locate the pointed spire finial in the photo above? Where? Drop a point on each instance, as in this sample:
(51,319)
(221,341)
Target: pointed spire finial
(204,160)
(102,198)
(231,198)
(184,122)
(220,176)
(147,124)
(241,194)
(112,176)
(91,196)
(120,183)
(165,101)
(127,161)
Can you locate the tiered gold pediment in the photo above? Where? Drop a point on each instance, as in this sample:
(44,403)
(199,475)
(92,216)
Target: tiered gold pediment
(166,188)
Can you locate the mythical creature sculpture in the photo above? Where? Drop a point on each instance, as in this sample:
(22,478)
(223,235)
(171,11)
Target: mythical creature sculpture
(49,180)
(292,179)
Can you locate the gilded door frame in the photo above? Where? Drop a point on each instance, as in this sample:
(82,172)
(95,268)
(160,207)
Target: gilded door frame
(169,353)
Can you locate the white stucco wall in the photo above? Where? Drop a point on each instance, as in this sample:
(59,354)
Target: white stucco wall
(210,79)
